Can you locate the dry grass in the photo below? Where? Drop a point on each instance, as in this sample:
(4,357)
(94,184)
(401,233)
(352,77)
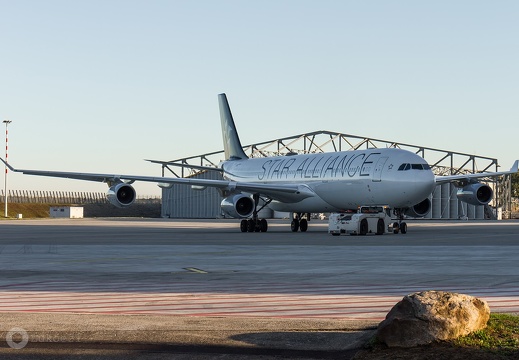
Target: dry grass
(28,211)
(499,341)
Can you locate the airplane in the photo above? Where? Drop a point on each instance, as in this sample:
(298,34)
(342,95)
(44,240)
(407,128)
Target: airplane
(307,183)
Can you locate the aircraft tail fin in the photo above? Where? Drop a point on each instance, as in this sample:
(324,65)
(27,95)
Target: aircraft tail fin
(231,141)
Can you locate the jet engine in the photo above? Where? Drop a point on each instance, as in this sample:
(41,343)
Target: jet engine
(238,206)
(476,194)
(419,210)
(121,195)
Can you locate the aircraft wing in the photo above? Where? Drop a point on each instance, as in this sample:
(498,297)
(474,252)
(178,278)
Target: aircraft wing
(469,177)
(281,192)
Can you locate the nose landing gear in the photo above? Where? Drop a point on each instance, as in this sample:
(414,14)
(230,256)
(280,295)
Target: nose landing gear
(400,225)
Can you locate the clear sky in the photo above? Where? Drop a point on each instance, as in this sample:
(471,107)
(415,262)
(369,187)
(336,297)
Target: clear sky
(98,86)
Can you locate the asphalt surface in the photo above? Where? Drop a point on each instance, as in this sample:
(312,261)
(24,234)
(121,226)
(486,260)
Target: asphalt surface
(130,231)
(190,337)
(479,255)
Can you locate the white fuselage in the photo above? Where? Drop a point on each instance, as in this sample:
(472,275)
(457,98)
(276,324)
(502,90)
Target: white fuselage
(341,180)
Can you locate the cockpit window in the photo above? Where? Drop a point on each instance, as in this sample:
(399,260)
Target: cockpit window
(405,167)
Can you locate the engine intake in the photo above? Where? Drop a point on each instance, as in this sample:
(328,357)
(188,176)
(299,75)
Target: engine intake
(238,206)
(121,195)
(476,194)
(419,210)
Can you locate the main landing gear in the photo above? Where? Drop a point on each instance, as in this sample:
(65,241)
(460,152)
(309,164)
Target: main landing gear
(255,224)
(251,225)
(300,222)
(400,225)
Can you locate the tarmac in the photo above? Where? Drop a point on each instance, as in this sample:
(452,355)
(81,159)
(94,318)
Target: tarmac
(124,288)
(183,336)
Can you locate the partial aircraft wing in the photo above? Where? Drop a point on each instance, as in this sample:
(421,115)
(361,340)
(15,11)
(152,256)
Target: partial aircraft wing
(469,177)
(281,192)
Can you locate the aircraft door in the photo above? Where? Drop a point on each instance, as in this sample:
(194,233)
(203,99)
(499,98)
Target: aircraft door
(377,172)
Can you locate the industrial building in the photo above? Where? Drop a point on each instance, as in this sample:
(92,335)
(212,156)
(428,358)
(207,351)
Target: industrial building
(181,201)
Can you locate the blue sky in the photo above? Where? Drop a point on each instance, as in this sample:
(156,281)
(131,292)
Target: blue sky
(99,86)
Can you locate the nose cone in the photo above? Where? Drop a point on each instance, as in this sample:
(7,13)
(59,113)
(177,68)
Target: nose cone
(424,183)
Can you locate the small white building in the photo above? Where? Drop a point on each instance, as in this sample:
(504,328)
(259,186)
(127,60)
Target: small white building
(69,212)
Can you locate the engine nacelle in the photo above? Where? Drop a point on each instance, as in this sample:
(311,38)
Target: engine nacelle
(419,210)
(476,194)
(238,206)
(121,195)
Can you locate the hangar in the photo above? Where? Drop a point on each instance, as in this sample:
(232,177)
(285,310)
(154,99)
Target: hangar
(181,201)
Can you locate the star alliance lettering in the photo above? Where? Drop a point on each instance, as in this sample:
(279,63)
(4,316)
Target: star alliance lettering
(317,167)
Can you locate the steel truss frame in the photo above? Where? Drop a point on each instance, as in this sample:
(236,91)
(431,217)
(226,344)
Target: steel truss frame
(443,162)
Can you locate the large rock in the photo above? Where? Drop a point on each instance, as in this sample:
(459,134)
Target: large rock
(425,317)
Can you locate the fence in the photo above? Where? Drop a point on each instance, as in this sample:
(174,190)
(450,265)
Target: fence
(62,197)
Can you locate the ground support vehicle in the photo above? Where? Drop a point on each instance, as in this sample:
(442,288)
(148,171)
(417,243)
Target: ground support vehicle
(368,219)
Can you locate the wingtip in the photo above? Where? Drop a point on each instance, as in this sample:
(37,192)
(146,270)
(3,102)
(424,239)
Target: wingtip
(515,167)
(8,166)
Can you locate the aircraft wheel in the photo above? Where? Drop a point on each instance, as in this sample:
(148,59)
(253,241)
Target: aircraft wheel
(380,227)
(294,225)
(263,225)
(303,225)
(403,228)
(363,230)
(243,225)
(395,228)
(250,225)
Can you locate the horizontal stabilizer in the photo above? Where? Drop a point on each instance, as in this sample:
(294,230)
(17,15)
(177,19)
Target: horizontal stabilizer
(189,166)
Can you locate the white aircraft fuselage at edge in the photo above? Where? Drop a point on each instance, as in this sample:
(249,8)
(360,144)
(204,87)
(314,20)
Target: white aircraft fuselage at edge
(340,181)
(304,184)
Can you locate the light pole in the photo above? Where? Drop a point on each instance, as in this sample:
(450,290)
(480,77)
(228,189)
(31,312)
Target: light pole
(6,122)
